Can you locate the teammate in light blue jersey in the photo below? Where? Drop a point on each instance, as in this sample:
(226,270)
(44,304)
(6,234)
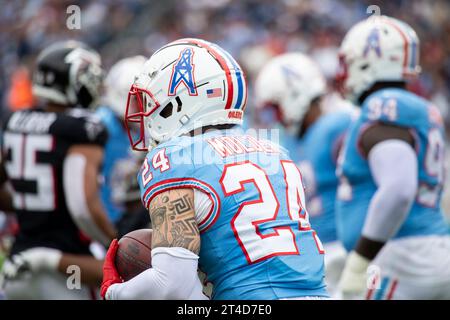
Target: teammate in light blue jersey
(391,170)
(117,149)
(318,166)
(220,200)
(407,111)
(292,86)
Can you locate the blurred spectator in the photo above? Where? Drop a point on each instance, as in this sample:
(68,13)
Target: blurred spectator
(20,94)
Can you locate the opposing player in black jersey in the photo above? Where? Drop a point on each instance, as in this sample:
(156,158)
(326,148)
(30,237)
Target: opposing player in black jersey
(51,156)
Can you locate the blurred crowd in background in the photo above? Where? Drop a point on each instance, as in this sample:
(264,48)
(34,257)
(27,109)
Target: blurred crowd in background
(252,30)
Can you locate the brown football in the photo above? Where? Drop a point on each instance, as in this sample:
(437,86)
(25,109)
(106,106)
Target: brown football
(134,253)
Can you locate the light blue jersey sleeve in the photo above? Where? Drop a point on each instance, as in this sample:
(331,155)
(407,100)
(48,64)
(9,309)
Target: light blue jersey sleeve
(318,152)
(166,167)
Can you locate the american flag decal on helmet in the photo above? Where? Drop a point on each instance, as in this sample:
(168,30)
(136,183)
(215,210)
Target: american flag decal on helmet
(214,93)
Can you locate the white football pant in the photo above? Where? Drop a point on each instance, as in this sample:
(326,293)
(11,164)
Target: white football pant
(412,268)
(335,255)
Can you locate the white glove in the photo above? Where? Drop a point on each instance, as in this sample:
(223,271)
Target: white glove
(31,260)
(353,281)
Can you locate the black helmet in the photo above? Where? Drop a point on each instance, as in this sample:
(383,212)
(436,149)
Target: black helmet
(68,73)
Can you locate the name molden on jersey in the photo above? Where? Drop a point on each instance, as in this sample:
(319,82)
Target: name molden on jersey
(234,145)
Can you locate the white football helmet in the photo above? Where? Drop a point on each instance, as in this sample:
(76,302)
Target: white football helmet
(290,82)
(185,85)
(379,48)
(118,81)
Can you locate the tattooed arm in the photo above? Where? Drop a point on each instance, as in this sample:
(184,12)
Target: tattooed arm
(175,249)
(173,220)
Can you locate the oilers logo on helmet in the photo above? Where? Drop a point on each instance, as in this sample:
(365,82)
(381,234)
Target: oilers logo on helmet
(183,72)
(290,75)
(373,43)
(395,46)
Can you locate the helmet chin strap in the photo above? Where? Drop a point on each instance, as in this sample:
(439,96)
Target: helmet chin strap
(152,144)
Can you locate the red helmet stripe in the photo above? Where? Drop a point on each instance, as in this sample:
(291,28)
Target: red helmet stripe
(221,61)
(405,42)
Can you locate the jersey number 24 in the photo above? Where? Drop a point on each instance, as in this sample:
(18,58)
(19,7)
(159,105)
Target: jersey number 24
(251,214)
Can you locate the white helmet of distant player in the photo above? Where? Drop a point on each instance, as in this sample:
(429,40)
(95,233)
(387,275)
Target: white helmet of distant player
(185,85)
(118,81)
(378,49)
(290,82)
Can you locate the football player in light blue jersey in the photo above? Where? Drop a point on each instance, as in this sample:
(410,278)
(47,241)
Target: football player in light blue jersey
(292,86)
(392,167)
(221,200)
(117,149)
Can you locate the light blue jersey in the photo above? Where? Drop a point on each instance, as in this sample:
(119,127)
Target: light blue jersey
(316,156)
(404,109)
(117,149)
(256,242)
